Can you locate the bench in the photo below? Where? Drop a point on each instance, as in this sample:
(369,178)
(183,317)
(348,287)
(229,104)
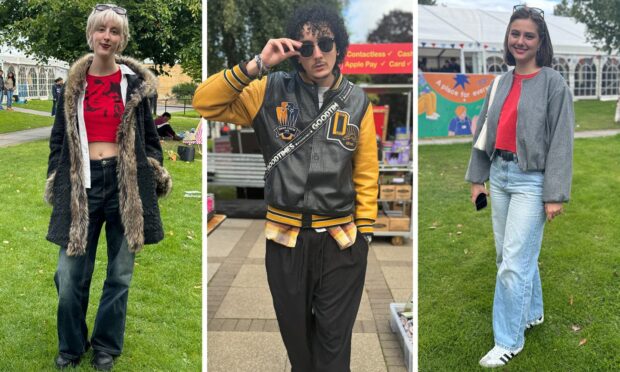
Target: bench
(240,170)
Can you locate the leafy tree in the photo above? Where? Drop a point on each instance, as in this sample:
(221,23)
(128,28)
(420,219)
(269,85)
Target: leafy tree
(564,8)
(603,20)
(239,29)
(164,31)
(394,27)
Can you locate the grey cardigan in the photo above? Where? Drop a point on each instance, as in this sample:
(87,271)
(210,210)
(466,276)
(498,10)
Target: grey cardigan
(545,127)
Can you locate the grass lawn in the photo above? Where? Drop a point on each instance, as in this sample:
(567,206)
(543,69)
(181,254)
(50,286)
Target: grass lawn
(12,121)
(36,104)
(163,331)
(579,264)
(595,115)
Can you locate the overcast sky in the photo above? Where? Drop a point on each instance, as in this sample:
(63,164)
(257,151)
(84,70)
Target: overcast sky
(362,16)
(501,5)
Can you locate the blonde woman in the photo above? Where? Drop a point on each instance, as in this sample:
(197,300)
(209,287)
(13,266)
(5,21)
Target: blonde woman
(105,167)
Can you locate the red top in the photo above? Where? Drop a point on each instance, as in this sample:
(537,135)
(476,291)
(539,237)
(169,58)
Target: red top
(103,107)
(506,138)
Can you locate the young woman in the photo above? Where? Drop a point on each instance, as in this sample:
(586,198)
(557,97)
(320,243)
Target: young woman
(105,166)
(9,87)
(528,159)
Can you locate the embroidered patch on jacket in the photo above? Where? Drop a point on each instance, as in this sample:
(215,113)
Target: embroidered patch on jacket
(343,132)
(287,114)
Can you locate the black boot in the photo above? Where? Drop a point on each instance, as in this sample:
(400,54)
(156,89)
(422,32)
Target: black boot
(103,361)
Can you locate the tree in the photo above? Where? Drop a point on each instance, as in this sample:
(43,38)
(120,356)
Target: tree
(564,9)
(164,31)
(394,27)
(239,29)
(602,17)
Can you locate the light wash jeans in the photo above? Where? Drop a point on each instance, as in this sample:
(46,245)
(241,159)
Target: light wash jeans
(518,222)
(9,98)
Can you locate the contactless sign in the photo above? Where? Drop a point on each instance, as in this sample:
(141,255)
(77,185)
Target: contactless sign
(379,59)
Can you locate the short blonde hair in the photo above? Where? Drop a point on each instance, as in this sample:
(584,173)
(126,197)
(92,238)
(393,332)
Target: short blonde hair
(98,18)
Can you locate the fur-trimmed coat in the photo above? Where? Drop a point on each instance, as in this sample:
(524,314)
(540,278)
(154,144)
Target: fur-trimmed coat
(141,176)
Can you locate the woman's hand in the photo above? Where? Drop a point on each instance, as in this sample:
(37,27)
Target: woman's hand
(274,52)
(477,189)
(553,210)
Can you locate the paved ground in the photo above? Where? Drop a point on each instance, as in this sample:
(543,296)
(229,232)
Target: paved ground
(33,112)
(242,328)
(15,138)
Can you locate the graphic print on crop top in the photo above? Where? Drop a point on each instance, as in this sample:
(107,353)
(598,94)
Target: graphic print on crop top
(103,107)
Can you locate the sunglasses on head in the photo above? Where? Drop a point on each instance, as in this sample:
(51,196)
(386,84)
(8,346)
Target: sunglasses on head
(326,44)
(529,9)
(116,9)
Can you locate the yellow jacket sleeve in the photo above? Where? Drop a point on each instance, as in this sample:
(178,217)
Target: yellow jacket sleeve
(366,174)
(230,96)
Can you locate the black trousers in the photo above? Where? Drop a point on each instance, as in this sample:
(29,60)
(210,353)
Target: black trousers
(317,289)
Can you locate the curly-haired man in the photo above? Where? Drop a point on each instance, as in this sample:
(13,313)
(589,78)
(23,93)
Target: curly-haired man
(317,135)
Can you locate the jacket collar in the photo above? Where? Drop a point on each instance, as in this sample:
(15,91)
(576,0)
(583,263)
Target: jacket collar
(129,66)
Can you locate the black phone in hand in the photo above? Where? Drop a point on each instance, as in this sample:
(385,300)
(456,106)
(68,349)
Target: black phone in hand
(481,201)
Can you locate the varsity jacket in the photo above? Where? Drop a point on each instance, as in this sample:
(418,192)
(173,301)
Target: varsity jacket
(332,179)
(141,175)
(545,130)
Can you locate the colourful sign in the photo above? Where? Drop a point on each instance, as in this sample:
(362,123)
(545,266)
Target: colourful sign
(378,59)
(449,104)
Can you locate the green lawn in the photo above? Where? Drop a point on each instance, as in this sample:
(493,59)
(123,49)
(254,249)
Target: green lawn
(163,331)
(36,104)
(579,263)
(12,121)
(594,115)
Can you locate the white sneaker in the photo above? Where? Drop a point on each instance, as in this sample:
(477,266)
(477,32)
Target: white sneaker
(536,322)
(498,357)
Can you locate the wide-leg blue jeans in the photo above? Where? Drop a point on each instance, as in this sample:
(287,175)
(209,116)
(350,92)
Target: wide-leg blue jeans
(518,222)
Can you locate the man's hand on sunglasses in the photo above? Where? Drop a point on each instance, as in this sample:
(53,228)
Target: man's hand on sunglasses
(274,52)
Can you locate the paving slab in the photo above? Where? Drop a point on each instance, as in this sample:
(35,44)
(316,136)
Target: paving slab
(211,270)
(400,277)
(366,354)
(240,223)
(251,276)
(259,248)
(387,252)
(401,294)
(250,303)
(245,351)
(222,241)
(365,311)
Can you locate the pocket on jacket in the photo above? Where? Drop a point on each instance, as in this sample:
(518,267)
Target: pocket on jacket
(163,180)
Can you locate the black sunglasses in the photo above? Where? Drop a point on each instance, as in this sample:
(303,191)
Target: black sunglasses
(326,44)
(116,9)
(531,10)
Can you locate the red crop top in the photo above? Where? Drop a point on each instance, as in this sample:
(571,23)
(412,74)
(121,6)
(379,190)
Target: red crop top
(103,107)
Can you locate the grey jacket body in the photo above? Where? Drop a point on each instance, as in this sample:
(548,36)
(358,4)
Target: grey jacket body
(545,129)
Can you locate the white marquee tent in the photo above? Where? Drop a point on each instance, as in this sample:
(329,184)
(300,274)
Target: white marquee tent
(476,38)
(34,80)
